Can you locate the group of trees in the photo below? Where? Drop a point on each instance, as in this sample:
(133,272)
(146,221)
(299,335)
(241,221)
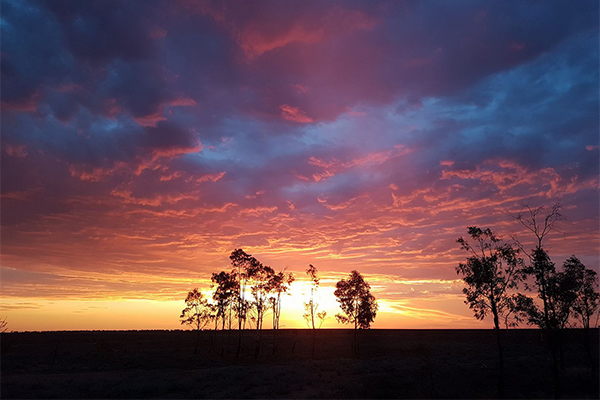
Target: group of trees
(495,269)
(231,300)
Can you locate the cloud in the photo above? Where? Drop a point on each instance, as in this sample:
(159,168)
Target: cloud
(294,114)
(147,142)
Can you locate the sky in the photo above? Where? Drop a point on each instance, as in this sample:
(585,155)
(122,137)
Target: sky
(143,141)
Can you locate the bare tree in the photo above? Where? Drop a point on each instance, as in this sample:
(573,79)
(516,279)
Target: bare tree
(197,314)
(3,324)
(359,306)
(540,220)
(491,270)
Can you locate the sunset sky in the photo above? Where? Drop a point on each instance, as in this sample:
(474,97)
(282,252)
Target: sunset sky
(143,141)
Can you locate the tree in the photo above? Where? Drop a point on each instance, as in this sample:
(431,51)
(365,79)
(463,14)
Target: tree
(280,283)
(587,299)
(225,292)
(491,270)
(311,308)
(569,294)
(197,314)
(3,324)
(261,277)
(541,221)
(358,305)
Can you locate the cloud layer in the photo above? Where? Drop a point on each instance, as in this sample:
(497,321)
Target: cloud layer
(141,143)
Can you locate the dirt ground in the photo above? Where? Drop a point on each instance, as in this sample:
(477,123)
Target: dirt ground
(391,364)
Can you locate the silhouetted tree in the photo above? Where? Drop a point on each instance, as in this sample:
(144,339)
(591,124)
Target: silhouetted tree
(261,277)
(311,309)
(227,288)
(587,298)
(3,324)
(569,294)
(357,303)
(241,262)
(197,314)
(541,221)
(491,270)
(280,283)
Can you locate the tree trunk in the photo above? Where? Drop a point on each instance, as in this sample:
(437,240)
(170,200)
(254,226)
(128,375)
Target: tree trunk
(197,341)
(500,364)
(500,351)
(586,343)
(555,369)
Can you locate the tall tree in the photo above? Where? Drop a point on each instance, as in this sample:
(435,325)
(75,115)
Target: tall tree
(261,285)
(541,221)
(491,270)
(587,299)
(247,267)
(569,294)
(226,289)
(197,314)
(280,283)
(311,309)
(358,305)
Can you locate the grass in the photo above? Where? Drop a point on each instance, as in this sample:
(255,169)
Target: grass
(391,364)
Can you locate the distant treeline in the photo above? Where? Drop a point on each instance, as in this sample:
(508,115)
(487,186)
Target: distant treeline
(493,273)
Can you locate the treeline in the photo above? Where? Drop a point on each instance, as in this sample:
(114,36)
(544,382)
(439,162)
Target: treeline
(496,269)
(494,273)
(232,309)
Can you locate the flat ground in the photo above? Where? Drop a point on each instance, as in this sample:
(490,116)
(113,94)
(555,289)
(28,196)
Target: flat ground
(391,364)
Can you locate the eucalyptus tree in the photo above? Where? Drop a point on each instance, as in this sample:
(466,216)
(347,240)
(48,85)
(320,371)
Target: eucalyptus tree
(311,308)
(197,314)
(569,295)
(540,222)
(242,262)
(492,269)
(227,287)
(358,305)
(260,277)
(587,299)
(280,283)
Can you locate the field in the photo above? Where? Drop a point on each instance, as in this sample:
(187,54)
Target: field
(391,364)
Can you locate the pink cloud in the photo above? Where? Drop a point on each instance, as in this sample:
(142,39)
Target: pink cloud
(261,36)
(18,150)
(211,177)
(294,114)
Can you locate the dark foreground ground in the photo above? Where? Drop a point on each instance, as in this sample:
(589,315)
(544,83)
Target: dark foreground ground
(391,364)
